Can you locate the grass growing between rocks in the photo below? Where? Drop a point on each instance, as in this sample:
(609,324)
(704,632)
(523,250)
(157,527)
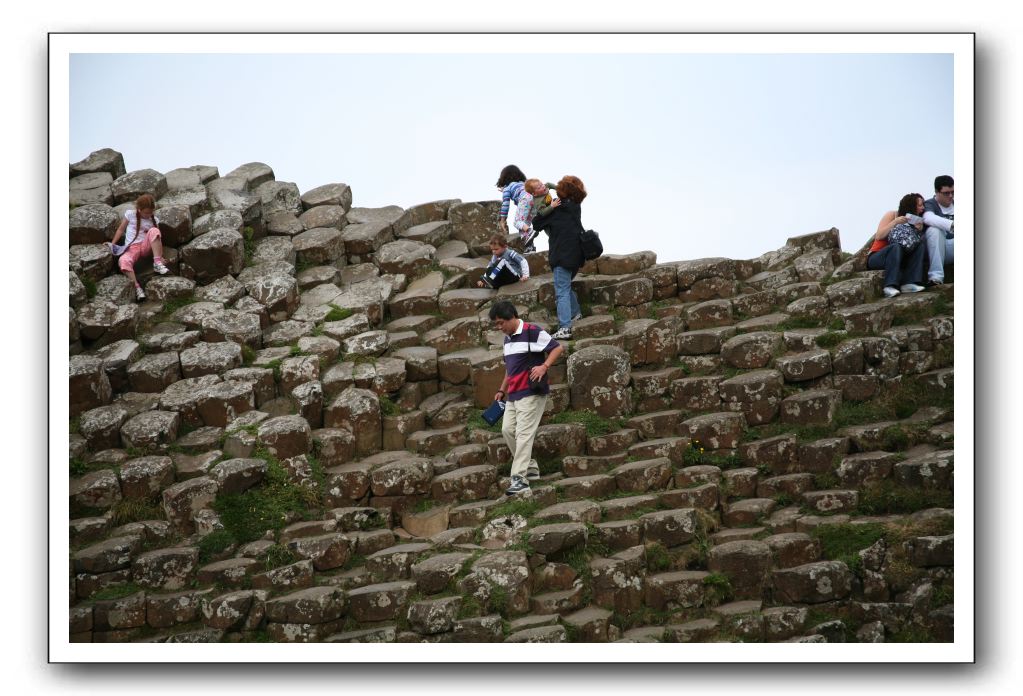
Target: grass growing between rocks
(887,497)
(337,313)
(830,339)
(594,424)
(135,510)
(696,455)
(843,542)
(214,543)
(116,592)
(476,422)
(269,506)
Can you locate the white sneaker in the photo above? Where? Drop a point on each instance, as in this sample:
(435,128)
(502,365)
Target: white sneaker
(562,334)
(890,291)
(577,317)
(160,268)
(140,294)
(912,287)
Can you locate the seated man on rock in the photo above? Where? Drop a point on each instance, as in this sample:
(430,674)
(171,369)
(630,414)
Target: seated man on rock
(939,217)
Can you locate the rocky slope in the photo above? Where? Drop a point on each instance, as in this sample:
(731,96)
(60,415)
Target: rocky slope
(283,442)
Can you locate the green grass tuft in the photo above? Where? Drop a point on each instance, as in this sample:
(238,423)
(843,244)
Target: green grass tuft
(135,510)
(337,313)
(595,425)
(214,543)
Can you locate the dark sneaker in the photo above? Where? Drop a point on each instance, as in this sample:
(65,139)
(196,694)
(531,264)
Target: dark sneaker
(527,239)
(518,485)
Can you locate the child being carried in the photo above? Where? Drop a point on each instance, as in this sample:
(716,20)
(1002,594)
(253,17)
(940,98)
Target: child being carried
(506,265)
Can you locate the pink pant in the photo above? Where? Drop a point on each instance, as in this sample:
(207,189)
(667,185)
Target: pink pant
(138,251)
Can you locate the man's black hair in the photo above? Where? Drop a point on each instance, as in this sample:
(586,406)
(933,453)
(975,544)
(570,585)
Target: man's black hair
(942,181)
(503,310)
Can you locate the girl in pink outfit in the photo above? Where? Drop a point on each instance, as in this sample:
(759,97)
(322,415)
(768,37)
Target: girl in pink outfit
(141,240)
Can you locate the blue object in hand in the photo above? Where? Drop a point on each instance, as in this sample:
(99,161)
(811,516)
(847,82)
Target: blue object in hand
(494,412)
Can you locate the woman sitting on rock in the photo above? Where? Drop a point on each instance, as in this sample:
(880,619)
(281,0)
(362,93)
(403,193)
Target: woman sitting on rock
(897,248)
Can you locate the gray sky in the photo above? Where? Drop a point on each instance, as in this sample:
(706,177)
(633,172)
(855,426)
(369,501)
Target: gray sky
(689,155)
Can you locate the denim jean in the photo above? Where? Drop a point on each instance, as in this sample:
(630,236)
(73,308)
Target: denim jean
(568,302)
(940,252)
(899,268)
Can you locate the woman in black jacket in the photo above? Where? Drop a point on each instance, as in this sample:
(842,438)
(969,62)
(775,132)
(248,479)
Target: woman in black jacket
(564,227)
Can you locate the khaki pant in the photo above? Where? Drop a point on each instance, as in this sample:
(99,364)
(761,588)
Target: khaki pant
(521,419)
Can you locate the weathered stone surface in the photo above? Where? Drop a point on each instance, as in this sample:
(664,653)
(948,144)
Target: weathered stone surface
(752,350)
(150,430)
(104,160)
(507,570)
(328,194)
(127,187)
(746,564)
(107,556)
(165,569)
(804,366)
(931,471)
(674,590)
(213,255)
(812,583)
(813,406)
(598,379)
(358,411)
(146,476)
(102,321)
(183,500)
(210,358)
(380,602)
(670,527)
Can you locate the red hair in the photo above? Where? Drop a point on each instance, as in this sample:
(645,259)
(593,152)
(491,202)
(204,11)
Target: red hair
(571,187)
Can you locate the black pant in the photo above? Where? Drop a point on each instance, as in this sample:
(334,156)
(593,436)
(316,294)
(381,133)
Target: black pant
(899,267)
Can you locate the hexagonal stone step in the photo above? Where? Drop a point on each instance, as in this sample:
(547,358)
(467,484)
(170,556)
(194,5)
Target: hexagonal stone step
(674,590)
(812,583)
(747,512)
(792,549)
(642,476)
(573,511)
(811,407)
(745,563)
(395,562)
(752,350)
(557,538)
(832,501)
(596,486)
(544,634)
(804,366)
(670,527)
(715,430)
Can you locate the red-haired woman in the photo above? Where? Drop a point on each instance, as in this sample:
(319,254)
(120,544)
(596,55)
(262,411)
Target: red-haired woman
(564,227)
(142,239)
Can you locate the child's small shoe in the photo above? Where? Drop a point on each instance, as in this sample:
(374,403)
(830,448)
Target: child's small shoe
(140,294)
(160,268)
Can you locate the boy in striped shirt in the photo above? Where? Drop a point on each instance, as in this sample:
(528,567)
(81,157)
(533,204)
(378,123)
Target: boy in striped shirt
(529,351)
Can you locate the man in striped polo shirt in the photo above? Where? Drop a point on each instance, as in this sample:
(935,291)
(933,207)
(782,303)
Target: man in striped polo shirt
(529,351)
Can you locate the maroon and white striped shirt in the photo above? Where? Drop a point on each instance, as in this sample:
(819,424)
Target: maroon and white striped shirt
(528,347)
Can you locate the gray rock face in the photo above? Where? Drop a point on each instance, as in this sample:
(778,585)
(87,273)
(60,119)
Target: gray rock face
(321,245)
(128,187)
(213,255)
(598,378)
(279,196)
(210,358)
(183,500)
(328,194)
(151,430)
(88,384)
(92,224)
(105,160)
